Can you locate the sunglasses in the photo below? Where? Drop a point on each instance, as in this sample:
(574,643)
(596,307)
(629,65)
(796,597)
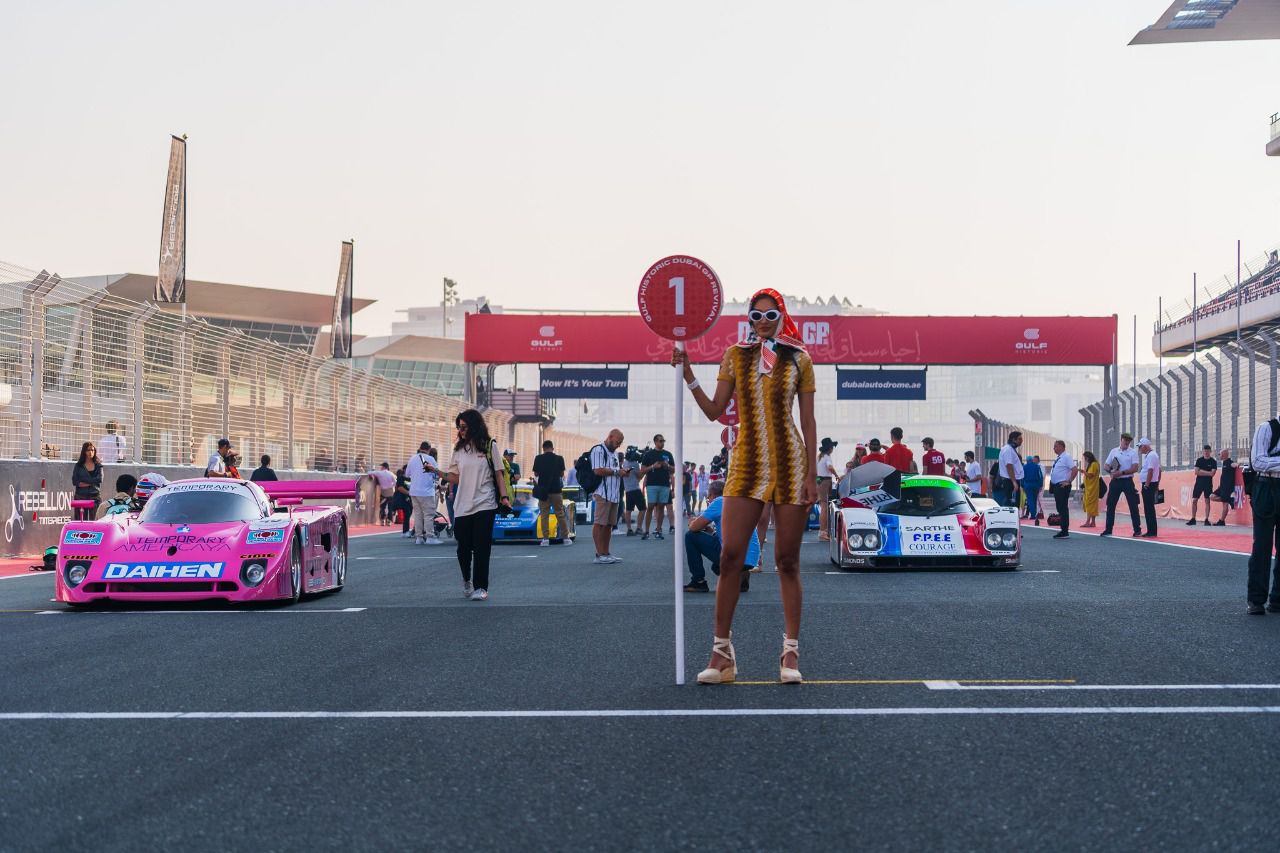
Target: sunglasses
(772,315)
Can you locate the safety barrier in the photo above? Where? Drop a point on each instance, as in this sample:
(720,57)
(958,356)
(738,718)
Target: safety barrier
(1218,399)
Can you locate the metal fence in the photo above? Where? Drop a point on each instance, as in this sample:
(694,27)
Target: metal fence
(1217,398)
(990,435)
(74,358)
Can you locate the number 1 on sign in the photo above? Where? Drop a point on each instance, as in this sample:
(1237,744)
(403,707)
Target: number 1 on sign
(677,282)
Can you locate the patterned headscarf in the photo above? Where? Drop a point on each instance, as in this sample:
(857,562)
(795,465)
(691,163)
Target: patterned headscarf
(787,334)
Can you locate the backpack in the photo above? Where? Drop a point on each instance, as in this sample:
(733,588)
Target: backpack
(1250,475)
(116,506)
(588,479)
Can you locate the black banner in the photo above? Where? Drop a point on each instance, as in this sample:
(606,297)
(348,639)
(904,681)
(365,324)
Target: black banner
(595,383)
(880,384)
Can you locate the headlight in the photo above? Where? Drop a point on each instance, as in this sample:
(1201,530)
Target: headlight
(871,540)
(253,572)
(1009,539)
(992,539)
(855,541)
(76,573)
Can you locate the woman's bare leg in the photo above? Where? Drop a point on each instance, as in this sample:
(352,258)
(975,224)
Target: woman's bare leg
(789,523)
(738,524)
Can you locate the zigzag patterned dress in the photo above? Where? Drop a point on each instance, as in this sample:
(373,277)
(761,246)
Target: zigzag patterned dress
(767,462)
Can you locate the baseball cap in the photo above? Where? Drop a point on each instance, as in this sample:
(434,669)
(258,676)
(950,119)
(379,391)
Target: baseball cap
(1144,442)
(508,452)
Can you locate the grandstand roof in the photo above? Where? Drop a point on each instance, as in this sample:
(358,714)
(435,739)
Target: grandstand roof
(1213,20)
(230,301)
(1222,310)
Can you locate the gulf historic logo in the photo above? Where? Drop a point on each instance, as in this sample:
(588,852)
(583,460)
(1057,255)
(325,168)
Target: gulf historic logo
(82,537)
(547,339)
(1031,342)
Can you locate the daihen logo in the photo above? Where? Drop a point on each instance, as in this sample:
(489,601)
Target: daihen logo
(162,571)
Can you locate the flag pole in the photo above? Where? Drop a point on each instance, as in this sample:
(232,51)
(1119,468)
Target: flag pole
(677,541)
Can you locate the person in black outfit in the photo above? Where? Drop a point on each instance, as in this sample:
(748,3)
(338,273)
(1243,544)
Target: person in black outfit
(1226,491)
(263,471)
(87,480)
(1206,467)
(548,468)
(1265,462)
(403,503)
(655,467)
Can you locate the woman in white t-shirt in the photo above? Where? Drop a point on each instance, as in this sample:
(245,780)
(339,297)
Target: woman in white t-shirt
(475,471)
(827,474)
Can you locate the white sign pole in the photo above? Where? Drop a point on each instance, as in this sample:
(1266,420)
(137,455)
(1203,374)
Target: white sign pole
(677,541)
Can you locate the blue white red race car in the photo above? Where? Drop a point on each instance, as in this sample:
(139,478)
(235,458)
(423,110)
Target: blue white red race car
(891,520)
(211,539)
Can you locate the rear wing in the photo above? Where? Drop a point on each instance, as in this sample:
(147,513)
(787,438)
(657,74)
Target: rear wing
(885,482)
(318,490)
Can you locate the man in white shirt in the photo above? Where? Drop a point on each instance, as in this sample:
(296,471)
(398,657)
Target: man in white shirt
(973,476)
(1149,477)
(217,464)
(112,446)
(1264,585)
(1010,467)
(1122,463)
(422,470)
(386,491)
(607,496)
(1061,476)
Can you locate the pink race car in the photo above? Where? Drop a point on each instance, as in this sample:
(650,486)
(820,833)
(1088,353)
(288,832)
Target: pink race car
(211,539)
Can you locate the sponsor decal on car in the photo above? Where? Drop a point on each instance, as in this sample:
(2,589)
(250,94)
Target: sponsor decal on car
(937,536)
(258,537)
(203,487)
(184,528)
(82,537)
(161,571)
(144,544)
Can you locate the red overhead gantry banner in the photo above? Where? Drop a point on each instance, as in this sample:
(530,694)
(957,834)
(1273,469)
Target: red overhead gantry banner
(624,339)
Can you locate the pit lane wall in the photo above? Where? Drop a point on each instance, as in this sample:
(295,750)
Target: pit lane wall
(35,498)
(1178,487)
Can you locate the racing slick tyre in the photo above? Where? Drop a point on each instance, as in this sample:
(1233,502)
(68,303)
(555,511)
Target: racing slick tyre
(295,572)
(340,560)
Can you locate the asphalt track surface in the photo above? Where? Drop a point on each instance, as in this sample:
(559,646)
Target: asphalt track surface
(943,710)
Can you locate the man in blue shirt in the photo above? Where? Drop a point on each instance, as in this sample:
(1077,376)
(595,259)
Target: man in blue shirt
(699,542)
(1032,486)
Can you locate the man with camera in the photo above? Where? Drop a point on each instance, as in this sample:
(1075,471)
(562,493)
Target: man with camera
(655,467)
(633,497)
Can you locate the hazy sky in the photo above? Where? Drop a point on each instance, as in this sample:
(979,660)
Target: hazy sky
(920,157)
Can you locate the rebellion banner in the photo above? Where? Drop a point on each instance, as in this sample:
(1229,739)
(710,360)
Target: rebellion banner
(341,335)
(171,280)
(625,339)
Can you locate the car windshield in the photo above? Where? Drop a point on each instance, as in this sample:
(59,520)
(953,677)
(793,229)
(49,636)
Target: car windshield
(200,507)
(922,500)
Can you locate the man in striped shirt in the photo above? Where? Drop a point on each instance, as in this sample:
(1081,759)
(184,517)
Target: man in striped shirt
(608,466)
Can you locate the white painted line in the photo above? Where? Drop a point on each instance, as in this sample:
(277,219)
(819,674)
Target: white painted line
(133,612)
(955,685)
(1039,572)
(1139,710)
(28,575)
(1157,541)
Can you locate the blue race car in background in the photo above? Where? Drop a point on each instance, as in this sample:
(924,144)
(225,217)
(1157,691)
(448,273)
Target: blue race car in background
(523,524)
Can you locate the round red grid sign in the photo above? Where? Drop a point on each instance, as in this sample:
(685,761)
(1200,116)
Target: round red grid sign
(680,298)
(730,416)
(729,437)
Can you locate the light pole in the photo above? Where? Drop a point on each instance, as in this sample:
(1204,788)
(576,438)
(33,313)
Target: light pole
(449,297)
